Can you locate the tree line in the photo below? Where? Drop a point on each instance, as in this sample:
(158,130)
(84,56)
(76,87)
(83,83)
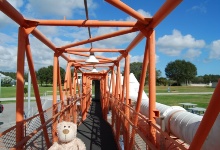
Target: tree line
(177,72)
(44,76)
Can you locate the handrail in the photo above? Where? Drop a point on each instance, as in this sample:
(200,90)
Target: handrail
(119,111)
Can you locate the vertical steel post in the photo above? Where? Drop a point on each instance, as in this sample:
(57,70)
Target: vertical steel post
(152,83)
(74,93)
(55,72)
(60,89)
(113,96)
(36,91)
(105,97)
(84,97)
(29,93)
(141,88)
(208,120)
(118,87)
(127,72)
(20,85)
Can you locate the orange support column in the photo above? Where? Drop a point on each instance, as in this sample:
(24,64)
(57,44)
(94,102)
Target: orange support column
(152,83)
(106,97)
(87,93)
(84,97)
(36,92)
(127,71)
(20,85)
(117,95)
(208,120)
(66,81)
(60,90)
(70,81)
(102,92)
(77,82)
(113,96)
(141,88)
(74,93)
(69,90)
(117,84)
(55,71)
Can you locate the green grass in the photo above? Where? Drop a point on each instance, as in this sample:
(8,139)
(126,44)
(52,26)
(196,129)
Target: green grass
(181,89)
(202,100)
(11,91)
(173,100)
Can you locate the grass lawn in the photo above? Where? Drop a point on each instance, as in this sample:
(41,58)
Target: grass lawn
(11,91)
(201,100)
(181,89)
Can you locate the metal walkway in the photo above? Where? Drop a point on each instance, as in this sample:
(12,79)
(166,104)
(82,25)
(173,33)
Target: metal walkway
(95,132)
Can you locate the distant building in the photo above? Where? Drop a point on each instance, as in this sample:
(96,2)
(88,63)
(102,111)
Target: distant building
(13,81)
(214,84)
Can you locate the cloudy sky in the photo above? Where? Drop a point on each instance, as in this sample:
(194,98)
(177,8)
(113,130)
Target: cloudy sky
(190,32)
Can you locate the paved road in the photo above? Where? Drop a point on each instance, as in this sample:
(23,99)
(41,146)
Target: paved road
(7,118)
(188,93)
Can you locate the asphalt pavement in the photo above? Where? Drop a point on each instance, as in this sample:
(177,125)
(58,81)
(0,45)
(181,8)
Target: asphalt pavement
(7,118)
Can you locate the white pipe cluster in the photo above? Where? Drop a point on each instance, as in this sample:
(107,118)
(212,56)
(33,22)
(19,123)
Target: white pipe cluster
(178,121)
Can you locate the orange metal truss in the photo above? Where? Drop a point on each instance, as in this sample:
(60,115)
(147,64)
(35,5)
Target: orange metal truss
(124,117)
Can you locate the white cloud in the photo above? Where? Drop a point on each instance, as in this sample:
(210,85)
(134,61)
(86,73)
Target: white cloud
(61,8)
(6,39)
(200,7)
(114,41)
(5,20)
(174,44)
(192,53)
(16,4)
(142,12)
(215,50)
(8,58)
(120,40)
(136,58)
(42,55)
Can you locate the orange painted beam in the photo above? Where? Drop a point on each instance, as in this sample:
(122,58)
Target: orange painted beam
(140,91)
(86,23)
(113,96)
(20,85)
(97,66)
(93,50)
(12,13)
(122,6)
(152,83)
(77,82)
(164,11)
(47,42)
(136,40)
(60,89)
(85,64)
(208,120)
(127,79)
(99,63)
(55,71)
(87,55)
(101,37)
(36,91)
(83,102)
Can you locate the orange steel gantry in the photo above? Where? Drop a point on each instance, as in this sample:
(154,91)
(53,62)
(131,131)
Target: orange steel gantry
(123,115)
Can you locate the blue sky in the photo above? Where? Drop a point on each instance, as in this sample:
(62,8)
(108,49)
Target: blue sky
(190,32)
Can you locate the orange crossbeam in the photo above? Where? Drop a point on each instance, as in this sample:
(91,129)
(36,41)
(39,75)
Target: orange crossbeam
(102,37)
(93,50)
(86,23)
(130,11)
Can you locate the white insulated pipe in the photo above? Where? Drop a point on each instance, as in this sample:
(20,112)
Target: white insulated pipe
(178,121)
